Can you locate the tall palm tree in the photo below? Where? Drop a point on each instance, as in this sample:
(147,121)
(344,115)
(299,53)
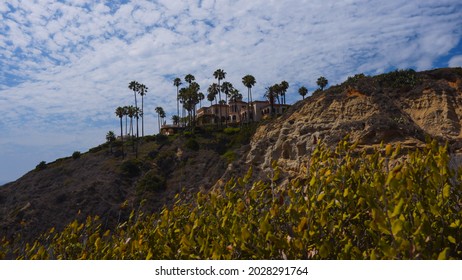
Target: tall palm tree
(126,118)
(142,90)
(227,87)
(159,111)
(303,91)
(201,97)
(134,85)
(219,74)
(131,114)
(249,81)
(283,86)
(120,113)
(189,78)
(271,93)
(177,83)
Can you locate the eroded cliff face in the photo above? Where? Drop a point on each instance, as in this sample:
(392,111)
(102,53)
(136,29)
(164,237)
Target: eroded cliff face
(371,110)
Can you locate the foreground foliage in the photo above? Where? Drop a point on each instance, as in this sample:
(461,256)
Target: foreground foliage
(349,206)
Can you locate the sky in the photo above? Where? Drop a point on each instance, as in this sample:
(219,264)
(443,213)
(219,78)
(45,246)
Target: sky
(65,65)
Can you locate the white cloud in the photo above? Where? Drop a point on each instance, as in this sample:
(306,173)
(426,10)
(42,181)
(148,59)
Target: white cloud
(455,61)
(76,62)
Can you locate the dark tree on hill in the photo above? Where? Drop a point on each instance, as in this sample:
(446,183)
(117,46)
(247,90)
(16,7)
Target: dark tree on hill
(303,91)
(219,74)
(134,85)
(322,82)
(110,137)
(142,90)
(177,83)
(126,119)
(201,97)
(131,114)
(120,113)
(249,81)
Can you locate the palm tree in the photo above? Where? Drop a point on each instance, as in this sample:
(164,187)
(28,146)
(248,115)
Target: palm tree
(201,97)
(227,87)
(159,111)
(176,119)
(303,91)
(189,78)
(126,118)
(322,82)
(219,74)
(249,82)
(120,113)
(110,137)
(142,90)
(131,114)
(271,93)
(283,86)
(134,85)
(177,83)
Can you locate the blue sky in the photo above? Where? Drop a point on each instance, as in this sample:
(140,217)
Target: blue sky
(66,65)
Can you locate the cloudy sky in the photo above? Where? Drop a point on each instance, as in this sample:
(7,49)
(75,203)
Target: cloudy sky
(66,64)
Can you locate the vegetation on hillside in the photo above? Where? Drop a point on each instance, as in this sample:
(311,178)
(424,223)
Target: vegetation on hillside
(349,206)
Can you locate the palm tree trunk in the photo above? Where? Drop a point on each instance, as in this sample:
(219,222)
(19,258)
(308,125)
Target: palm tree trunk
(142,116)
(122,138)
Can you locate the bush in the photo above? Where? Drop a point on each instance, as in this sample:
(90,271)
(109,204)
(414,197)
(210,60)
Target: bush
(161,139)
(76,155)
(130,168)
(192,144)
(42,165)
(231,130)
(151,182)
(230,156)
(348,206)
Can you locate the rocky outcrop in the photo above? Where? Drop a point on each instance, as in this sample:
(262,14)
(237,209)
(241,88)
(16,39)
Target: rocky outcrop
(399,107)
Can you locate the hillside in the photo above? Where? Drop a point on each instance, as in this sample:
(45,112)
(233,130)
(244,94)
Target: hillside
(402,107)
(101,183)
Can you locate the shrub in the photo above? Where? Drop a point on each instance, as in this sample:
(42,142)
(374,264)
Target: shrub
(348,206)
(42,165)
(151,182)
(230,156)
(76,155)
(192,144)
(130,168)
(231,130)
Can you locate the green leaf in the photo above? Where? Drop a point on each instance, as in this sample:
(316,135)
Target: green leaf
(446,191)
(452,239)
(398,208)
(444,254)
(397,227)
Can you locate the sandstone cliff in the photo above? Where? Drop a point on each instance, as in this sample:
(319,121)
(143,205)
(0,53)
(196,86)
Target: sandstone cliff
(399,107)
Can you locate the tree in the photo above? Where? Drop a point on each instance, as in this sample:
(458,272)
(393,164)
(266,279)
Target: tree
(189,78)
(201,97)
(270,94)
(177,83)
(126,118)
(142,90)
(227,87)
(120,113)
(249,81)
(303,91)
(219,74)
(322,82)
(176,119)
(160,112)
(110,137)
(134,85)
(283,86)
(131,114)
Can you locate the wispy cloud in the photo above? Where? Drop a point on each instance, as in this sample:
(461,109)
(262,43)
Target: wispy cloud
(66,65)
